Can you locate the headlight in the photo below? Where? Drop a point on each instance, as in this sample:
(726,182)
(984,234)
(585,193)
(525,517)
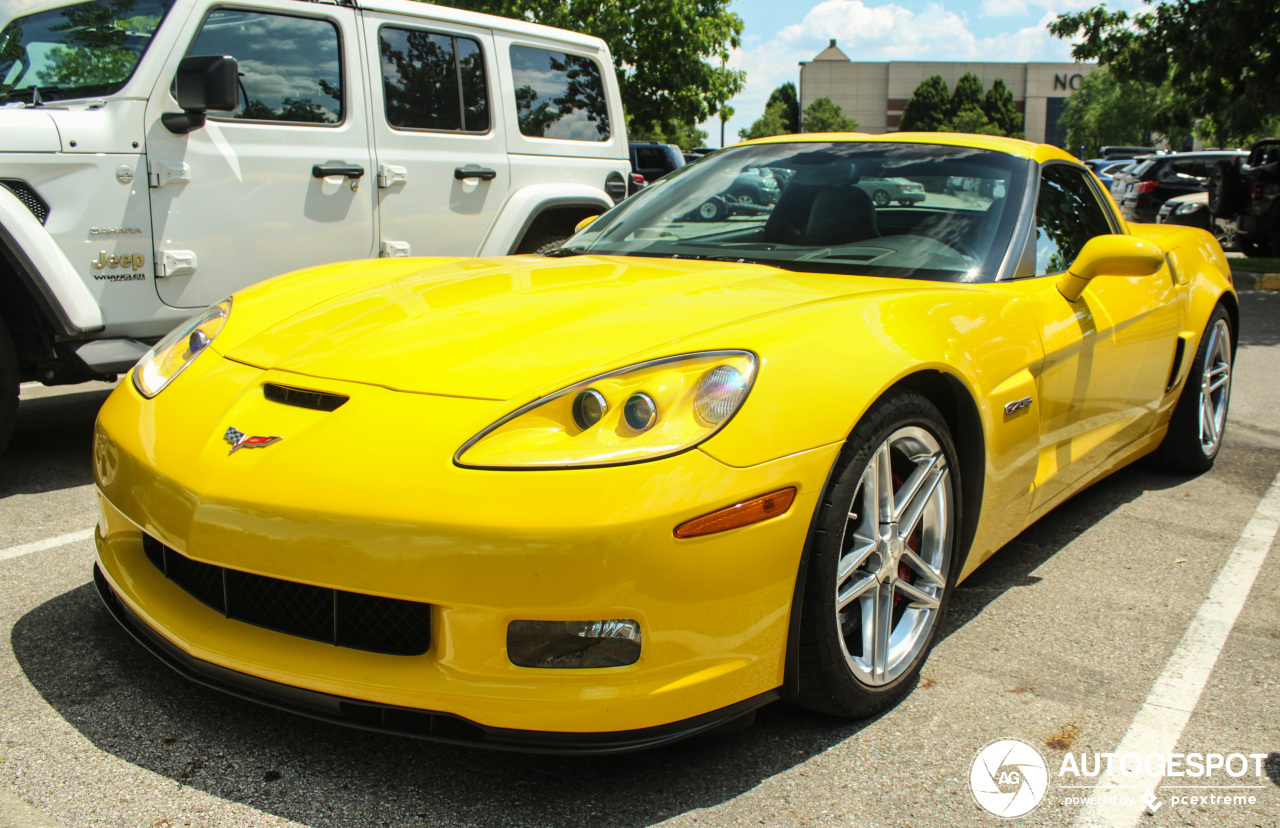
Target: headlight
(161,364)
(643,412)
(1189,207)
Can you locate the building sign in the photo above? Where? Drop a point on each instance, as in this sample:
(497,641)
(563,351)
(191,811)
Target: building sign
(1065,81)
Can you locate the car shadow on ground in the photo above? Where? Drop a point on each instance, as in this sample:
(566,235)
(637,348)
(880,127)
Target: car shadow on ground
(52,444)
(128,704)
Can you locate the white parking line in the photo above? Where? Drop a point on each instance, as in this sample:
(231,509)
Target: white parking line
(47,543)
(1168,707)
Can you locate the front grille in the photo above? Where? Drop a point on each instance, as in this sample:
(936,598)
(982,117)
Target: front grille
(347,619)
(28,197)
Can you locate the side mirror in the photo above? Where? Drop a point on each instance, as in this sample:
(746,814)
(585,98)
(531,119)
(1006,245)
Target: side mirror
(584,224)
(1111,255)
(204,83)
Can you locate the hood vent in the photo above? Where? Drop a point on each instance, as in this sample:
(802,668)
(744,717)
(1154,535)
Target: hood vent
(302,398)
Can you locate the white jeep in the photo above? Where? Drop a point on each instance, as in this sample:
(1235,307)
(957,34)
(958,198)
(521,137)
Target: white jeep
(156,155)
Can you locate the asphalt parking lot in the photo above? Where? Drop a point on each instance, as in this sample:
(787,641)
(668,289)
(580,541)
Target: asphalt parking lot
(1104,626)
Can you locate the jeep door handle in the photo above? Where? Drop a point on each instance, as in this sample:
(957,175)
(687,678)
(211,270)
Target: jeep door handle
(482,174)
(337,168)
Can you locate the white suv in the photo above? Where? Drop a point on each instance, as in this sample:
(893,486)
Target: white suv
(156,155)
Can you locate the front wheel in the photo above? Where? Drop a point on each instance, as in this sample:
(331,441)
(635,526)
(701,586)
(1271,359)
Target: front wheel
(883,561)
(1200,418)
(881,198)
(8,386)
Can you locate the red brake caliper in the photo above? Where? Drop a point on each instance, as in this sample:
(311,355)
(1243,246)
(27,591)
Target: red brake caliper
(906,573)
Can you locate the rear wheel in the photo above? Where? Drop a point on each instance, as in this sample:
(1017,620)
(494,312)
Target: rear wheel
(539,245)
(8,386)
(1195,431)
(713,209)
(883,561)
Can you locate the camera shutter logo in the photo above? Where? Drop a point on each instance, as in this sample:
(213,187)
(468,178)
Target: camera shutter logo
(1008,778)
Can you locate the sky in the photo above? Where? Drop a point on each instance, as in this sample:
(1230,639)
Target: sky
(779,34)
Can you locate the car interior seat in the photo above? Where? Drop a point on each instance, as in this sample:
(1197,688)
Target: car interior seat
(822,206)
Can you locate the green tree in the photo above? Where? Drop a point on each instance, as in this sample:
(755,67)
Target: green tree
(684,135)
(929,106)
(786,95)
(1000,110)
(1106,110)
(1219,57)
(973,120)
(823,115)
(967,94)
(663,54)
(774,122)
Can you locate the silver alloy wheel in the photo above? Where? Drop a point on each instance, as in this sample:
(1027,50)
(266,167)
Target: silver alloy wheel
(709,210)
(1215,387)
(895,554)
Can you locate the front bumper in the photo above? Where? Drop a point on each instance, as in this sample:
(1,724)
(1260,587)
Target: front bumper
(365,500)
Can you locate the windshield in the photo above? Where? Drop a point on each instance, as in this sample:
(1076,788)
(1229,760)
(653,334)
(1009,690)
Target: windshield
(880,209)
(85,50)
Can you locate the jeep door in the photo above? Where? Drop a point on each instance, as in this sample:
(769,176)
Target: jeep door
(442,171)
(285,180)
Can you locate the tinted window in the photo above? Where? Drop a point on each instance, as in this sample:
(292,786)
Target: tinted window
(1067,216)
(76,51)
(290,67)
(559,95)
(1142,168)
(1188,168)
(433,81)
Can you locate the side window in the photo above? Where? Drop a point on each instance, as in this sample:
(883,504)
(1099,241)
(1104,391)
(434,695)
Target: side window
(433,81)
(559,95)
(1067,215)
(290,67)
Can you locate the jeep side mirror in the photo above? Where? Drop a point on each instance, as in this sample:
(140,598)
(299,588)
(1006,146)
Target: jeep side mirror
(584,224)
(204,83)
(1110,255)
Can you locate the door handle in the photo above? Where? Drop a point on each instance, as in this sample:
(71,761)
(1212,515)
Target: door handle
(337,168)
(482,174)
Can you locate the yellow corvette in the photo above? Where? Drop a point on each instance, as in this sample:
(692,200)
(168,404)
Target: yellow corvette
(705,456)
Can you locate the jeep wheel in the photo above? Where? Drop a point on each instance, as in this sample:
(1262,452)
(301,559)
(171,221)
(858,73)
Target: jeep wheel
(1224,189)
(540,245)
(8,386)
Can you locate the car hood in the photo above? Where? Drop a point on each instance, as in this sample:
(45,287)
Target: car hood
(494,328)
(25,130)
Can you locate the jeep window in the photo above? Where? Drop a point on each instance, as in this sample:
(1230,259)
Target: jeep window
(80,51)
(433,81)
(290,67)
(1067,216)
(559,95)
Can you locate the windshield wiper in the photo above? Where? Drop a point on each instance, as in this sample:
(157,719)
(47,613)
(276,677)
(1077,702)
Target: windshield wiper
(703,257)
(563,252)
(31,94)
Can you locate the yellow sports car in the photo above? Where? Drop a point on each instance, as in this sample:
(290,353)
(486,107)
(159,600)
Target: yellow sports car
(631,491)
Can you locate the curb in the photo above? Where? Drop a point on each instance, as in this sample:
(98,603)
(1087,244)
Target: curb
(1256,281)
(16,813)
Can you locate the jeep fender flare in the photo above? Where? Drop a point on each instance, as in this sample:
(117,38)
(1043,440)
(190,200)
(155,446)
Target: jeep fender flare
(527,204)
(44,271)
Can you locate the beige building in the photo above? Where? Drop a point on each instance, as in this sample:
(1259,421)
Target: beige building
(874,94)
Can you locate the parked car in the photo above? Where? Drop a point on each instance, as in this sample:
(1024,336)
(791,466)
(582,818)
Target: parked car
(1192,210)
(653,160)
(885,191)
(157,155)
(1244,193)
(634,489)
(1128,152)
(1161,177)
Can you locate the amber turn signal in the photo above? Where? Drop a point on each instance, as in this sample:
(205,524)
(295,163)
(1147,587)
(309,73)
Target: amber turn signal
(745,513)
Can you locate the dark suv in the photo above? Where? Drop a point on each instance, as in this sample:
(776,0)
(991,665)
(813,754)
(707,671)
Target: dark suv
(654,160)
(1161,177)
(1246,193)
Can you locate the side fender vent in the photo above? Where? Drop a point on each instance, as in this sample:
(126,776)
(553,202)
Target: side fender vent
(24,193)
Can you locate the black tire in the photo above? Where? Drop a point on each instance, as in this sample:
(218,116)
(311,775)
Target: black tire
(830,677)
(538,245)
(905,203)
(1224,189)
(8,386)
(1183,448)
(1252,248)
(713,209)
(881,198)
